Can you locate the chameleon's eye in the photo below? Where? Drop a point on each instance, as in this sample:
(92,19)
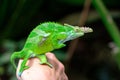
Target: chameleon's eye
(77,29)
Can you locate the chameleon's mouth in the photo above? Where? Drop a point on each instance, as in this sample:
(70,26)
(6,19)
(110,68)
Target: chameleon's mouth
(71,37)
(61,41)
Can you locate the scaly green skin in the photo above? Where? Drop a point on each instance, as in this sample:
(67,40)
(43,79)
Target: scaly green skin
(44,38)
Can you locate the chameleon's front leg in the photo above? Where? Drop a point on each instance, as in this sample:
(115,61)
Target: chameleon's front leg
(23,64)
(58,40)
(43,60)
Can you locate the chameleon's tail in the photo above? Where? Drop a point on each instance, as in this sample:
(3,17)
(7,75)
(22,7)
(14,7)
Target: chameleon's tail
(13,57)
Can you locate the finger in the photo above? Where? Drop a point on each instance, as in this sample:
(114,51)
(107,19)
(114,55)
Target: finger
(64,77)
(53,60)
(59,67)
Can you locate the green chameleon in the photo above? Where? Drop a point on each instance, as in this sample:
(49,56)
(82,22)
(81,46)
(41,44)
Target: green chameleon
(44,38)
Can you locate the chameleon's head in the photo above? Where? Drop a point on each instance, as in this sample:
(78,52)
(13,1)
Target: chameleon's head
(76,32)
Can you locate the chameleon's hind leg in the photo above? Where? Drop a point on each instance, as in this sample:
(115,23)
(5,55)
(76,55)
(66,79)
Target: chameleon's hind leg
(43,60)
(23,64)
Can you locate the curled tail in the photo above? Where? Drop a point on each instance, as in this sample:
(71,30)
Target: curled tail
(14,56)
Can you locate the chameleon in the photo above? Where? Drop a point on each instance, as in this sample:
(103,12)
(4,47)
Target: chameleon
(44,38)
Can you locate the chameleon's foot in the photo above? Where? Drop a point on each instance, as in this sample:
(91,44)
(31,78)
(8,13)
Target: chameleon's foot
(43,60)
(26,67)
(50,65)
(32,56)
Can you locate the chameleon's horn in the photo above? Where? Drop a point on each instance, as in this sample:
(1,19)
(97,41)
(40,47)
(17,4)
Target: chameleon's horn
(13,57)
(86,29)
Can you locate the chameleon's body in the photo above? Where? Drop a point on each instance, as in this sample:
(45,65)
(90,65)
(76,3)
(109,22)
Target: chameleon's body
(45,38)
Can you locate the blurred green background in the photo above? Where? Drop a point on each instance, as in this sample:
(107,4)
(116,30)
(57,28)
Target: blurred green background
(95,56)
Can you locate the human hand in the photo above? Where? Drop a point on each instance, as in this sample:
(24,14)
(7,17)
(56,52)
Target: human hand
(43,72)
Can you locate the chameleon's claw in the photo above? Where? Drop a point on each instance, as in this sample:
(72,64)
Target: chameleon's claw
(50,65)
(22,69)
(19,74)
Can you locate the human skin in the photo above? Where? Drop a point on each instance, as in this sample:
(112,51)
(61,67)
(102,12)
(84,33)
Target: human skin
(43,72)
